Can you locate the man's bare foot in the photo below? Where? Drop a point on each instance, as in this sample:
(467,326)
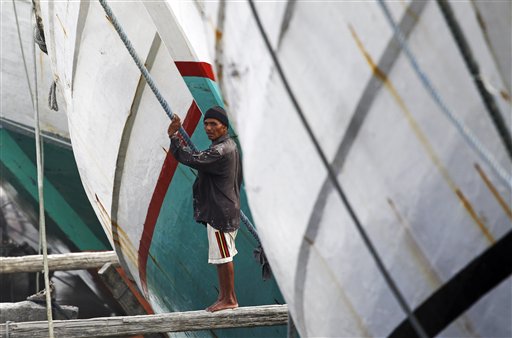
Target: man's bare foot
(222,305)
(209,307)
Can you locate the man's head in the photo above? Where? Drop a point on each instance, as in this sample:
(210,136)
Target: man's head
(216,123)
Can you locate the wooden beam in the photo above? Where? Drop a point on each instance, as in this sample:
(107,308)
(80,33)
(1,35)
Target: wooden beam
(68,261)
(121,291)
(266,315)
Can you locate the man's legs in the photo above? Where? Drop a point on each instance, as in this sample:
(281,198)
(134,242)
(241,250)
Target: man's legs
(221,249)
(227,297)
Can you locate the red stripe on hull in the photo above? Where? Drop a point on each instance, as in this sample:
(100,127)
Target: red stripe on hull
(162,185)
(200,69)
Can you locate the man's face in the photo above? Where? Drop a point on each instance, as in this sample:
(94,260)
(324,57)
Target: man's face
(214,129)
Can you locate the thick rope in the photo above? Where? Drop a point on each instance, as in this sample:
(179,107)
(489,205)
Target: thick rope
(160,98)
(334,180)
(464,131)
(143,70)
(42,223)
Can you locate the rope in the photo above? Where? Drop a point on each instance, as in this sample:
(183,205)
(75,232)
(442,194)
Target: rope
(143,70)
(465,132)
(332,176)
(42,224)
(474,69)
(163,102)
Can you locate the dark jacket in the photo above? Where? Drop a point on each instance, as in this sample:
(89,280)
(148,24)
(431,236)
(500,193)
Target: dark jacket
(217,186)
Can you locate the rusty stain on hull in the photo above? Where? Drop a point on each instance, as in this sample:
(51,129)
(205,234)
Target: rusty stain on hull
(342,294)
(62,26)
(123,242)
(504,205)
(416,252)
(422,137)
(424,264)
(119,237)
(505,95)
(104,218)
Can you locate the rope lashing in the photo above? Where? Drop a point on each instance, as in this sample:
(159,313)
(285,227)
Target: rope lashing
(52,97)
(337,186)
(149,80)
(39,38)
(464,131)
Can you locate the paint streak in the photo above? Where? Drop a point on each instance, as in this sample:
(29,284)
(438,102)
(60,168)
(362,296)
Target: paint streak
(414,248)
(357,319)
(164,180)
(198,69)
(123,242)
(125,245)
(422,137)
(504,205)
(425,266)
(62,26)
(104,217)
(473,214)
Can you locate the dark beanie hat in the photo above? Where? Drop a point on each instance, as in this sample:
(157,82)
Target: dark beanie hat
(217,113)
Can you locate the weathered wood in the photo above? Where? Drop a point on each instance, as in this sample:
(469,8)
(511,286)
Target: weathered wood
(26,311)
(121,291)
(267,315)
(68,261)
(126,293)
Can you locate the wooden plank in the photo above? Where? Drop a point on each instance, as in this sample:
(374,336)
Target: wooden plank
(126,294)
(121,291)
(266,315)
(68,261)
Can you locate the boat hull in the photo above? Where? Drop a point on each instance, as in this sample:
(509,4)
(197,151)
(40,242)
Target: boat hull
(139,192)
(427,201)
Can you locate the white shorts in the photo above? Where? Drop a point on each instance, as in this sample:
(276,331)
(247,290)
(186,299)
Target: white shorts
(221,245)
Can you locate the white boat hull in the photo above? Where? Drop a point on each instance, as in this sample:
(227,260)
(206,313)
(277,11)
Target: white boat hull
(428,202)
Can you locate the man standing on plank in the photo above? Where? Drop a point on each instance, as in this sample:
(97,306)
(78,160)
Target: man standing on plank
(216,193)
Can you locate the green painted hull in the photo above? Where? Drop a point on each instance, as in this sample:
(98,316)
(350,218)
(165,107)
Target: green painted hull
(178,274)
(69,214)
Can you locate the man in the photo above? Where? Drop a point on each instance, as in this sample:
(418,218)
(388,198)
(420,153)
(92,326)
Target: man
(216,193)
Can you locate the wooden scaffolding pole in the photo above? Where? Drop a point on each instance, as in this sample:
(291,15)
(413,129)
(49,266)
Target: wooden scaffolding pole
(68,261)
(266,315)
